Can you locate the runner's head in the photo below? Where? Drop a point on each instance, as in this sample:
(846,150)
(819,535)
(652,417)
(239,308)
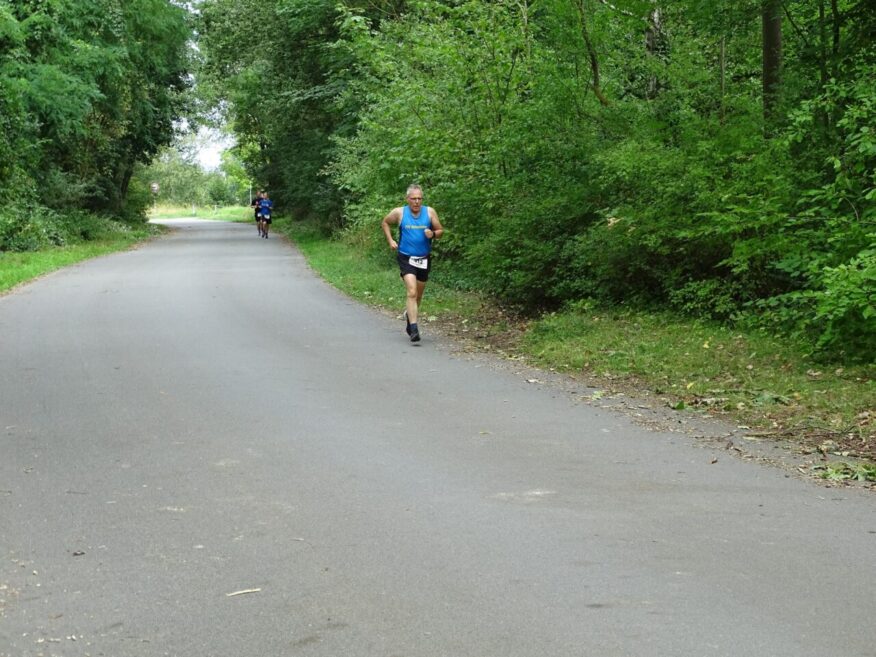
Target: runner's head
(415,197)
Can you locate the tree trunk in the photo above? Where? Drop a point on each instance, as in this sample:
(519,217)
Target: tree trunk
(822,44)
(772,56)
(837,19)
(723,66)
(527,33)
(123,181)
(654,45)
(591,53)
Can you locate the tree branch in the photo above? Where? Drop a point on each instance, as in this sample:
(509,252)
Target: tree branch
(619,10)
(591,52)
(834,10)
(797,29)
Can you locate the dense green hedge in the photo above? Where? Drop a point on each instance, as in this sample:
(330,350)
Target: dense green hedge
(41,228)
(88,89)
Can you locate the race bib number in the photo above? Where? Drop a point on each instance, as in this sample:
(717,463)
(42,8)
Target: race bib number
(419,263)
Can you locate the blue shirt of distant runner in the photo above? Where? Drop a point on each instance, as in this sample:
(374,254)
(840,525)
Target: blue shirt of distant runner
(265,206)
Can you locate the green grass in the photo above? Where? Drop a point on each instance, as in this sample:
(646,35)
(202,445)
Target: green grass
(373,280)
(17,268)
(229,213)
(841,471)
(749,378)
(749,375)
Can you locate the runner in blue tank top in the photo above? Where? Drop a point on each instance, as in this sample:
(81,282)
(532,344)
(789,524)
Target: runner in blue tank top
(254,204)
(418,225)
(266,206)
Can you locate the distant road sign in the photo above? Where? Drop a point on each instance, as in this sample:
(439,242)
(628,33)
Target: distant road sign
(154,188)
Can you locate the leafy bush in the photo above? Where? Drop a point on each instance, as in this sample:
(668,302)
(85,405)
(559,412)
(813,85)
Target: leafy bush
(29,230)
(41,228)
(714,299)
(846,307)
(828,250)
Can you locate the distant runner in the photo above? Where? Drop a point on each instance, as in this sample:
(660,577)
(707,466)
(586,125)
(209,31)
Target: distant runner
(265,206)
(418,225)
(254,204)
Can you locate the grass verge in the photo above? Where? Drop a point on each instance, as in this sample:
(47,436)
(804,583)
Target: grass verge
(749,378)
(373,281)
(17,268)
(229,213)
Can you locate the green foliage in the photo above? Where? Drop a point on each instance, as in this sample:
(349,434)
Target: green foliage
(832,257)
(182,181)
(238,186)
(839,315)
(20,232)
(847,305)
(88,88)
(23,229)
(273,60)
(840,471)
(580,149)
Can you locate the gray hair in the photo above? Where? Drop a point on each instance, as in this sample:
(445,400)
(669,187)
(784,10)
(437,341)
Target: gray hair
(413,187)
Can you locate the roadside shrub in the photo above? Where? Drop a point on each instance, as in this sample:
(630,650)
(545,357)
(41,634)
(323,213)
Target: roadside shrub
(714,299)
(137,201)
(42,228)
(836,315)
(846,308)
(61,190)
(79,226)
(29,231)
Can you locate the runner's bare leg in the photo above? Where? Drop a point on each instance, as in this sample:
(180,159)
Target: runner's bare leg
(414,294)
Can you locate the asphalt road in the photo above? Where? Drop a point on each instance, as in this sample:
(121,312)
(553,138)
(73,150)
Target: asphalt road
(207,451)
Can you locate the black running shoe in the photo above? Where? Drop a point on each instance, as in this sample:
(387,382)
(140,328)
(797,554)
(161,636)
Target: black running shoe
(414,333)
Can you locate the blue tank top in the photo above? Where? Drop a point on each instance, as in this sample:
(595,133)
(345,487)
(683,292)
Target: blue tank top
(412,236)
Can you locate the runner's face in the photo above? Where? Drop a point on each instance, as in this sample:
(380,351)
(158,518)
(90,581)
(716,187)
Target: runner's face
(415,200)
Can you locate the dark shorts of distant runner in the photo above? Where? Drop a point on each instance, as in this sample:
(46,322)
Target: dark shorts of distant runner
(418,266)
(266,218)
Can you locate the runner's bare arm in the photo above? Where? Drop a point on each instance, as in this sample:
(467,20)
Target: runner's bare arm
(393,217)
(437,229)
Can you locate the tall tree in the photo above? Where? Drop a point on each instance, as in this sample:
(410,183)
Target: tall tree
(771,18)
(100,83)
